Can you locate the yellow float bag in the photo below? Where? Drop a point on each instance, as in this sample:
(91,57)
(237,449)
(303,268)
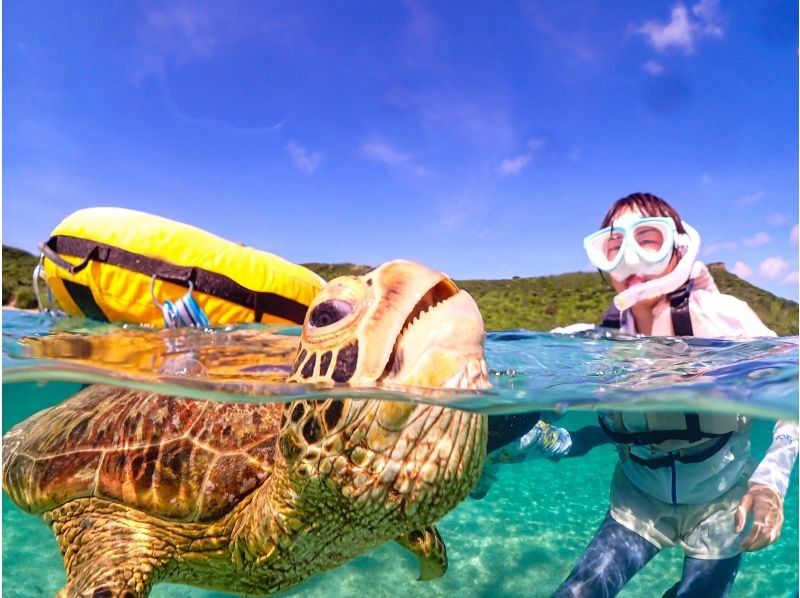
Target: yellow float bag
(113,264)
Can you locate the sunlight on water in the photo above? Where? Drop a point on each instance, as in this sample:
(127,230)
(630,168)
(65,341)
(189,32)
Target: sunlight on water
(529,370)
(525,536)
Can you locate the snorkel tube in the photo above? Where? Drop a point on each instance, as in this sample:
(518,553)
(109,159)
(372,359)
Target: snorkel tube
(690,243)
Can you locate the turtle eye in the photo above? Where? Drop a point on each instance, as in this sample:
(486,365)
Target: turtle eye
(329,312)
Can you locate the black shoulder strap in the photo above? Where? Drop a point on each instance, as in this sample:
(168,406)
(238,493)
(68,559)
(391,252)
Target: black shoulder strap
(693,427)
(612,318)
(679,302)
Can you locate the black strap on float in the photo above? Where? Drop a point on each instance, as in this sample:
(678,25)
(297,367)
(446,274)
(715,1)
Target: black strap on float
(82,296)
(692,433)
(53,256)
(204,281)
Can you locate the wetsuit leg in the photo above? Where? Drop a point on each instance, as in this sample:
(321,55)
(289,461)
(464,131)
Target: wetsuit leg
(704,578)
(614,556)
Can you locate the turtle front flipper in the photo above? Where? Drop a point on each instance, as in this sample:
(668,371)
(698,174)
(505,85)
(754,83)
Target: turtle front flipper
(107,553)
(427,545)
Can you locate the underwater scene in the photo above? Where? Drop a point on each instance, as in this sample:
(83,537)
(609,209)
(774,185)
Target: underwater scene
(524,536)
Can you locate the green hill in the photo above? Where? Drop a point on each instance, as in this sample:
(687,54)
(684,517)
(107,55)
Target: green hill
(18,268)
(331,271)
(535,303)
(544,302)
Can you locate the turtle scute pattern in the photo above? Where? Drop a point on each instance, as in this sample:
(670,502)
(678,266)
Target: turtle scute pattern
(180,459)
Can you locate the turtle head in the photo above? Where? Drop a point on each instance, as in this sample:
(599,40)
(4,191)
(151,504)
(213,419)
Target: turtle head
(400,325)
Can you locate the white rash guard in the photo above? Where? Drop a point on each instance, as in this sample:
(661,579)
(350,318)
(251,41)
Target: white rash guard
(713,315)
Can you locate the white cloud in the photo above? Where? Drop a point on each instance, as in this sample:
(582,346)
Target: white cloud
(383,152)
(757,240)
(515,165)
(713,248)
(421,40)
(456,213)
(790,279)
(675,33)
(564,31)
(778,220)
(173,34)
(707,13)
(742,270)
(793,235)
(536,144)
(480,119)
(182,29)
(751,198)
(304,160)
(773,268)
(380,151)
(653,67)
(706,179)
(684,27)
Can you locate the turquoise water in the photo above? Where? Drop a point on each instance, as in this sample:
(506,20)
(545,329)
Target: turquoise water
(525,536)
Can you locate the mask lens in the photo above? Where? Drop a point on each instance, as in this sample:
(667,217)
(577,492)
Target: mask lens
(652,239)
(603,247)
(613,244)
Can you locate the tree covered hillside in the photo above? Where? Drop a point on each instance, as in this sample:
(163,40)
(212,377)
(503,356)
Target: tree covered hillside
(18,268)
(544,302)
(536,303)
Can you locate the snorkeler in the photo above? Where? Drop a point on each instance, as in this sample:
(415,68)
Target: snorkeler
(682,479)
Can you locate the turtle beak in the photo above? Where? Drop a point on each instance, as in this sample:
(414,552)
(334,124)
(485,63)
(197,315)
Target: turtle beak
(441,346)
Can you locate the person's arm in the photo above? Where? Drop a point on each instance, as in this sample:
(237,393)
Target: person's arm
(586,439)
(543,440)
(776,466)
(767,489)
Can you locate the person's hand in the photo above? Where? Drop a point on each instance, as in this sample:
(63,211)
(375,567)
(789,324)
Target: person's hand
(547,440)
(767,507)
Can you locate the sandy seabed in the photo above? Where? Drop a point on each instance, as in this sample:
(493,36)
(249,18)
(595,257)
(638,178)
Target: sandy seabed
(521,540)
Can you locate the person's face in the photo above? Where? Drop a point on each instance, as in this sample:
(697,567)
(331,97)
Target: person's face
(621,285)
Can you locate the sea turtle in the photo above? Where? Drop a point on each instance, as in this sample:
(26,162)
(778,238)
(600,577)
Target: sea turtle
(255,498)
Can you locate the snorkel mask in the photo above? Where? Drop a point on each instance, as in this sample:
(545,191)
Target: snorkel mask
(643,245)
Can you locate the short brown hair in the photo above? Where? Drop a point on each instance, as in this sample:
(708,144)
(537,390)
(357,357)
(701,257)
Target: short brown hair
(646,204)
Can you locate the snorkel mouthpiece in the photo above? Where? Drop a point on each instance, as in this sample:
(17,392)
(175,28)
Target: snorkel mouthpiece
(690,242)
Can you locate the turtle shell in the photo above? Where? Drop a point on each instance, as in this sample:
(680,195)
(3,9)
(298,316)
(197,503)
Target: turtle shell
(176,458)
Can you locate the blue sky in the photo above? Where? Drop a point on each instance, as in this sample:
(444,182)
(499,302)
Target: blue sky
(485,139)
